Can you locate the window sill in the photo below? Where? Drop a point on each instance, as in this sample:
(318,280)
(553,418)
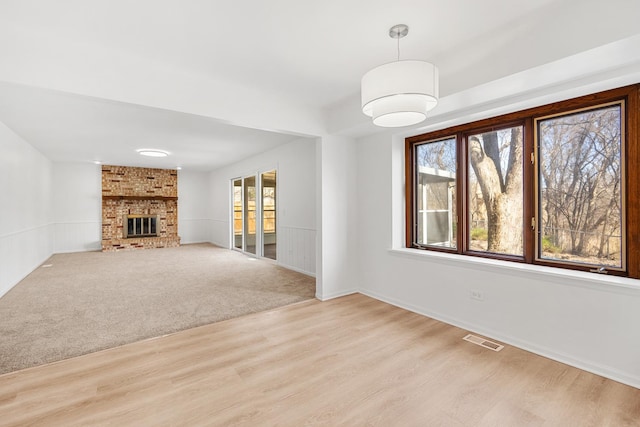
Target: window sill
(564,277)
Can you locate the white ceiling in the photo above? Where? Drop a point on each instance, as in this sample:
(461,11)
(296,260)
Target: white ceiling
(68,127)
(83,79)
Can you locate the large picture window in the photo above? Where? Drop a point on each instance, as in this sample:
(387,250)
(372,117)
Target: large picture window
(553,185)
(580,182)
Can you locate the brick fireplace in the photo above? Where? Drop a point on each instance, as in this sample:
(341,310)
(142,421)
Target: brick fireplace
(139,208)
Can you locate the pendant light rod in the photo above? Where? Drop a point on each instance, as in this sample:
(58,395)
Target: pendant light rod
(397,32)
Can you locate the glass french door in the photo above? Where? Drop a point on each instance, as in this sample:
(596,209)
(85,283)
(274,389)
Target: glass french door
(249,214)
(254,214)
(244,214)
(268,206)
(238,217)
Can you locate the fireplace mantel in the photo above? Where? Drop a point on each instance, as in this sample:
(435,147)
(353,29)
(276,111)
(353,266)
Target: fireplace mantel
(139,198)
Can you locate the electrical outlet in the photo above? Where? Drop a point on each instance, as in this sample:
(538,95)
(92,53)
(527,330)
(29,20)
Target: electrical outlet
(476,295)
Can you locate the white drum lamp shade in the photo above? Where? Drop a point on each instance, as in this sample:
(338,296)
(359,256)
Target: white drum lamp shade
(400,93)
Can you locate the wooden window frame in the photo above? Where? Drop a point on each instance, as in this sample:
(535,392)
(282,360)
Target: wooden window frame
(413,189)
(629,95)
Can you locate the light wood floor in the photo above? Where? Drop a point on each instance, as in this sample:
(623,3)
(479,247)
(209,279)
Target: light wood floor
(351,361)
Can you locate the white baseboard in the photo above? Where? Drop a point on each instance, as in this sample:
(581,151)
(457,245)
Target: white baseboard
(326,297)
(36,266)
(603,371)
(76,251)
(299,270)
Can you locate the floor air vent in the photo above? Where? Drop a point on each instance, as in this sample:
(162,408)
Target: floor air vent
(484,343)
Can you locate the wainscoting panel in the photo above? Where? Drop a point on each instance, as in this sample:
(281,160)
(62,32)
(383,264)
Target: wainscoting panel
(21,252)
(220,233)
(297,249)
(296,246)
(194,230)
(78,236)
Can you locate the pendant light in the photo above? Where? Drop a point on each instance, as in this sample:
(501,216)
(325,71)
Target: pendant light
(399,93)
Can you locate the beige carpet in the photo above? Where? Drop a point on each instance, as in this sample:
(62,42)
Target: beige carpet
(90,301)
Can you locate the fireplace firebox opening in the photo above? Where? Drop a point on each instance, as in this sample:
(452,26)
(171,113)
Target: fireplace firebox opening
(140,226)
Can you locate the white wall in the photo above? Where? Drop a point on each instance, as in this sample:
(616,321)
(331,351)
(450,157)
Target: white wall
(25,217)
(582,319)
(338,209)
(77,204)
(296,198)
(194,216)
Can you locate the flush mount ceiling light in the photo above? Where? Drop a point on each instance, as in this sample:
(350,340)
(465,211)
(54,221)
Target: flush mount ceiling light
(400,93)
(150,152)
